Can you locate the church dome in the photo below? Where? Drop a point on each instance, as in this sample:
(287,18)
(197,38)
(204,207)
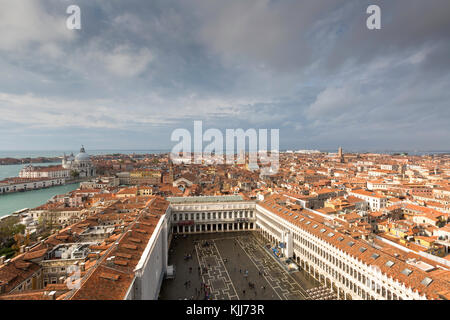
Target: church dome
(82,156)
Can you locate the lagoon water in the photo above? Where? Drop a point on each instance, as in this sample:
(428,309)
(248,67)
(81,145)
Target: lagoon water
(59,153)
(12,202)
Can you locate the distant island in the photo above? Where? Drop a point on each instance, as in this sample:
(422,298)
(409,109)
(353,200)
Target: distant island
(11,161)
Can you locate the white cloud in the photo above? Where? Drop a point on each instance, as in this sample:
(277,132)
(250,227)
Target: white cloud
(124,62)
(419,56)
(26,22)
(334,101)
(96,61)
(34,111)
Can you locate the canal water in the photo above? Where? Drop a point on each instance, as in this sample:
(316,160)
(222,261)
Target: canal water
(12,202)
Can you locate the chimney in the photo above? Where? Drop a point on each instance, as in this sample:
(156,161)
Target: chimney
(51,295)
(22,248)
(83,266)
(2,260)
(110,261)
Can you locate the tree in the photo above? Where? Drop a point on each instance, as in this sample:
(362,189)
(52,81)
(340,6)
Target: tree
(45,223)
(8,228)
(20,240)
(11,236)
(74,174)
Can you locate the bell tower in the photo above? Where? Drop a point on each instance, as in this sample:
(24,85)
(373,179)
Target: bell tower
(340,155)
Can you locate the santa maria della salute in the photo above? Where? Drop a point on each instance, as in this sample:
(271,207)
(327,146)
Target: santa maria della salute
(79,166)
(80,163)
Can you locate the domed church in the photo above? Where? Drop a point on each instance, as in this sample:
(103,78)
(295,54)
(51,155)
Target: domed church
(80,163)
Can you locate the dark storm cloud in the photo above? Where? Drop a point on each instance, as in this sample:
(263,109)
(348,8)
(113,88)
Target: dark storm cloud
(407,26)
(139,69)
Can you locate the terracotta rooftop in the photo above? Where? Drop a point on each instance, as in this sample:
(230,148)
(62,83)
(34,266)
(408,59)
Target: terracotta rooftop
(341,241)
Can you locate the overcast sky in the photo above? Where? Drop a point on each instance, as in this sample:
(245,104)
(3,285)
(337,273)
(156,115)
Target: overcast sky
(137,70)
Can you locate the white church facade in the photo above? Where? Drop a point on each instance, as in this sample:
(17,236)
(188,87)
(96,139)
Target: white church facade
(80,163)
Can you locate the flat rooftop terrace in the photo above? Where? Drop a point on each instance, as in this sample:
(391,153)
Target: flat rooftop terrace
(204,199)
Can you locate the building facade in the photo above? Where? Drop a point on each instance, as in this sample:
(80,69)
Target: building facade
(23,184)
(50,172)
(81,164)
(352,268)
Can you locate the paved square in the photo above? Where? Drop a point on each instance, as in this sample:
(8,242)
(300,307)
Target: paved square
(211,261)
(218,284)
(230,266)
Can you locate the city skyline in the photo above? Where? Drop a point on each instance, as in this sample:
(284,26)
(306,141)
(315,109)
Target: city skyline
(146,227)
(137,71)
(281,150)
